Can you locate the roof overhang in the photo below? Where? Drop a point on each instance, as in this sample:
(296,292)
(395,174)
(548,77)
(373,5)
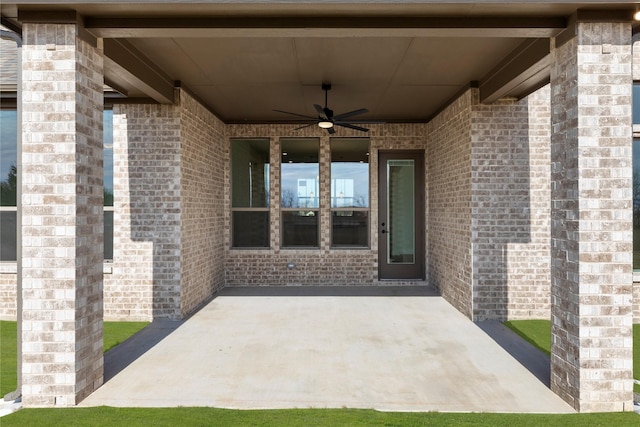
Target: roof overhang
(243,59)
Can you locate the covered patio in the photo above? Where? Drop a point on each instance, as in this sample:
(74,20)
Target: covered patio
(388,348)
(507,127)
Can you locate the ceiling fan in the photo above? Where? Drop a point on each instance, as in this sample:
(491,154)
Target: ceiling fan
(326,119)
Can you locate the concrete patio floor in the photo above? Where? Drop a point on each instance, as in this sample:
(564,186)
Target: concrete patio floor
(391,348)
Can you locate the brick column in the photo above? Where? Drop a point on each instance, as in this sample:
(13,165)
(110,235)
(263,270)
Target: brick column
(62,198)
(591,218)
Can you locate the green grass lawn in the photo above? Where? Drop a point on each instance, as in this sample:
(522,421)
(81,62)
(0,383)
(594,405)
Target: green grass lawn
(8,357)
(538,333)
(158,417)
(114,334)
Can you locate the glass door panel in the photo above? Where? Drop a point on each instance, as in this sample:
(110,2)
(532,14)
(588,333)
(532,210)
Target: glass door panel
(401,204)
(401,212)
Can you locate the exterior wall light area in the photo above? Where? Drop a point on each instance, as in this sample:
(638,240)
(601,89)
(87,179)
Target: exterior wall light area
(636,15)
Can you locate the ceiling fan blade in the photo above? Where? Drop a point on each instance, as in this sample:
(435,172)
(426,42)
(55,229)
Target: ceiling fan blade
(296,114)
(331,131)
(321,112)
(350,126)
(351,114)
(367,122)
(305,126)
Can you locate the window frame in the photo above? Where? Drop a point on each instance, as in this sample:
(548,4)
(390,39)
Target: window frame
(10,104)
(332,245)
(317,209)
(233,209)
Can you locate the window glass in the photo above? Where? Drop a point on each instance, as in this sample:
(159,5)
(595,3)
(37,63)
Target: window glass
(8,184)
(107,138)
(250,173)
(350,192)
(350,228)
(636,103)
(349,173)
(300,192)
(8,230)
(300,228)
(107,142)
(251,229)
(250,193)
(636,203)
(300,173)
(8,157)
(108,234)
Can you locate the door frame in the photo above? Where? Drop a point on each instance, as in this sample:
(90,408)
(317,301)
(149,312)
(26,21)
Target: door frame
(417,271)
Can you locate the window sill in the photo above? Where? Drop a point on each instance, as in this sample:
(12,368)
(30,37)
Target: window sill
(12,267)
(8,267)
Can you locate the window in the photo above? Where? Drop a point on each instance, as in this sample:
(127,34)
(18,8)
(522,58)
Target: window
(636,204)
(107,138)
(636,103)
(350,192)
(636,178)
(8,184)
(299,196)
(250,193)
(9,190)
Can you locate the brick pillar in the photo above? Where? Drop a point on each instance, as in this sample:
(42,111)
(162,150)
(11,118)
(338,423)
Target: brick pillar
(62,198)
(591,218)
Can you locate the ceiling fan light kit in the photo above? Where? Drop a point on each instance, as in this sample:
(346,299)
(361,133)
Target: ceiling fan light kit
(326,119)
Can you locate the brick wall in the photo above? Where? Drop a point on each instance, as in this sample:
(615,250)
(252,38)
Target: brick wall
(8,302)
(168,188)
(488,196)
(204,151)
(145,283)
(510,201)
(62,200)
(449,203)
(323,266)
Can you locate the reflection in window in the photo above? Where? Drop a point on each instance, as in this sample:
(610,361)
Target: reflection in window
(636,203)
(300,192)
(636,179)
(636,103)
(8,184)
(250,192)
(107,140)
(400,212)
(300,228)
(350,192)
(349,228)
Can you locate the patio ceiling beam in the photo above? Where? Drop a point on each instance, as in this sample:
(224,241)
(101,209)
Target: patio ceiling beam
(125,64)
(523,71)
(535,27)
